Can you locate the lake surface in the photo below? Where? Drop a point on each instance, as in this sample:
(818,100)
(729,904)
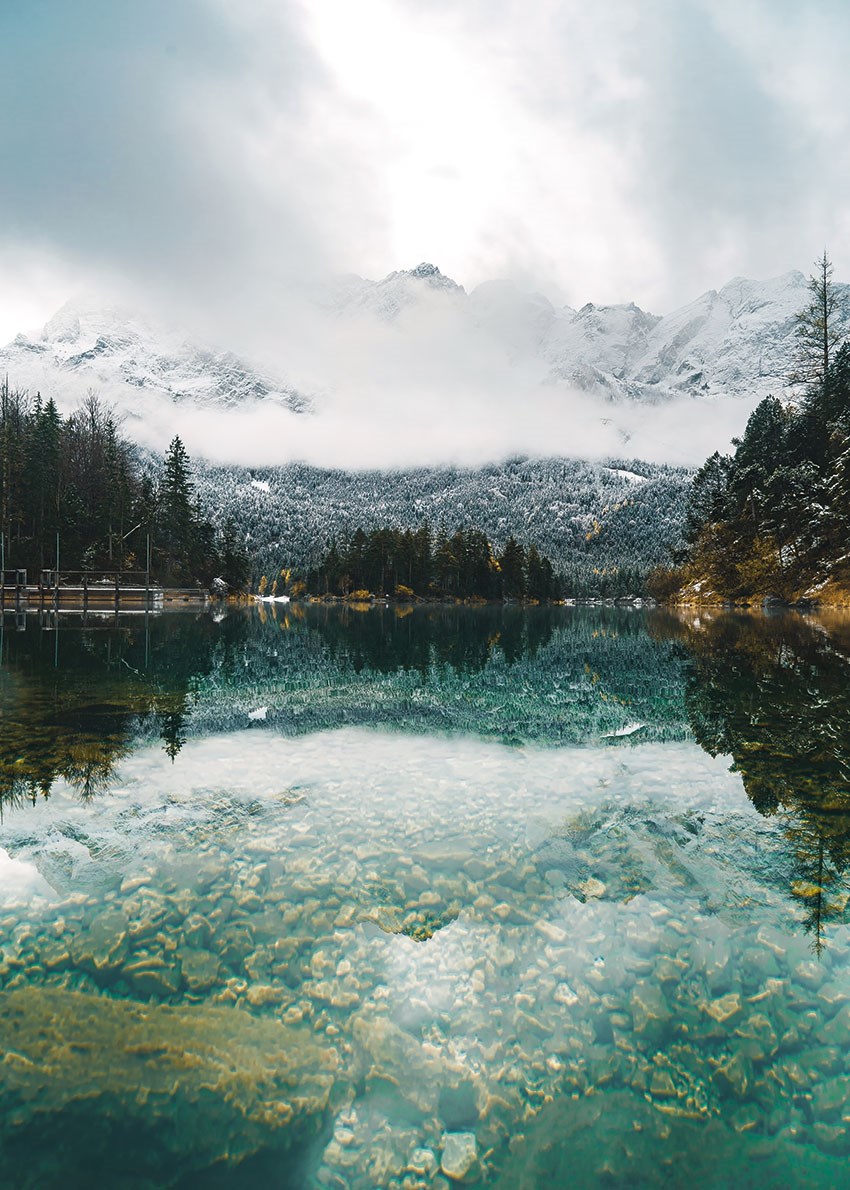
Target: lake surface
(394,897)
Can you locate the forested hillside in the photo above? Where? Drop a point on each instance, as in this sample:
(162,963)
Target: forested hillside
(602,527)
(76,491)
(773,519)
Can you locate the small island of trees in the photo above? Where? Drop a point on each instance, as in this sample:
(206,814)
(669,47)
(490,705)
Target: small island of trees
(406,563)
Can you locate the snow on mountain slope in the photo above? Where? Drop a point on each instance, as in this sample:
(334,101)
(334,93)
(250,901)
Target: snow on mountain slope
(736,342)
(116,352)
(396,292)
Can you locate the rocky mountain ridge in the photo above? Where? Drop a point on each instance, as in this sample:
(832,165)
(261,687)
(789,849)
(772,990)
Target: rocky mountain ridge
(733,342)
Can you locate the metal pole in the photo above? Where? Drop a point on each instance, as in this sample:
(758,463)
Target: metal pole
(2,574)
(56,577)
(148,574)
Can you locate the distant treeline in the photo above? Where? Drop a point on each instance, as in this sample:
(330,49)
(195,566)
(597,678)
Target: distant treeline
(406,562)
(78,477)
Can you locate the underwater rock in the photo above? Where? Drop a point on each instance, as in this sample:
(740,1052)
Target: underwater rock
(649,1007)
(101,949)
(133,1093)
(201,969)
(724,1008)
(459,1159)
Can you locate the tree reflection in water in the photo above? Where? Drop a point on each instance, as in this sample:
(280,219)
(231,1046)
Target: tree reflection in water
(73,709)
(773,692)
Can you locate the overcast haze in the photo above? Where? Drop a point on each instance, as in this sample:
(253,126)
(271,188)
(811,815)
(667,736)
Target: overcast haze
(211,159)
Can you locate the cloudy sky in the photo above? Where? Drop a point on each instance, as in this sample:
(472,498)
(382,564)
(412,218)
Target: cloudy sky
(212,157)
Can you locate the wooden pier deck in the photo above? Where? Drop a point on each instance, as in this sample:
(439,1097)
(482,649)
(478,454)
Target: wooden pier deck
(95,591)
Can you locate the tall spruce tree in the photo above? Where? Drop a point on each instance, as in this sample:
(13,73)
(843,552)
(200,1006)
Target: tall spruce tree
(176,519)
(819,332)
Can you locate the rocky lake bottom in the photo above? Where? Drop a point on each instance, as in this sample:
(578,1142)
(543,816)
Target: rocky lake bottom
(362,956)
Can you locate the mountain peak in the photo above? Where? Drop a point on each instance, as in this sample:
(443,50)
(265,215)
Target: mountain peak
(425,270)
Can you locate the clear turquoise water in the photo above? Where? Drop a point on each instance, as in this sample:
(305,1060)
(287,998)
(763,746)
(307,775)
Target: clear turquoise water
(539,898)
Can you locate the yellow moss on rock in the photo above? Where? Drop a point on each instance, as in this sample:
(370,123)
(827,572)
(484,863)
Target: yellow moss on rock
(149,1094)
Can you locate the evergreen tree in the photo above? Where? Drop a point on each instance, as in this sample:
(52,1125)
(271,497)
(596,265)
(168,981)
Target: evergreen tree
(176,514)
(235,563)
(512,568)
(818,332)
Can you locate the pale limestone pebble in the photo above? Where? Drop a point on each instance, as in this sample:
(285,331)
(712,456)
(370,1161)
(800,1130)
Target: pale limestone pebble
(649,1008)
(197,931)
(103,947)
(831,1138)
(772,987)
(331,1179)
(773,939)
(833,995)
(261,995)
(422,1162)
(830,1099)
(736,1073)
(201,969)
(592,888)
(55,955)
(551,931)
(336,1155)
(724,1008)
(137,880)
(809,973)
(661,1084)
(152,976)
(758,1030)
(565,995)
(669,969)
(459,1158)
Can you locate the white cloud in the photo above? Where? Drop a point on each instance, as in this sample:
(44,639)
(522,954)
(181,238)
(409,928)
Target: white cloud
(608,152)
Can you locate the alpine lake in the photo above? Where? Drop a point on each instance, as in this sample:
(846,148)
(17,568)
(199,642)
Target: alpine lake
(408,897)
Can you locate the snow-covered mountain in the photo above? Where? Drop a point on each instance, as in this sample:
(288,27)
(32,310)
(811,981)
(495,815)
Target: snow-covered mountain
(116,351)
(736,341)
(732,342)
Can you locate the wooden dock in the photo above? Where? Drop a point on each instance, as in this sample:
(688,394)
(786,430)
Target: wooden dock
(93,590)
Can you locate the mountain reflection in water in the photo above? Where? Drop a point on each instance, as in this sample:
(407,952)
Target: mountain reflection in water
(321,920)
(771,692)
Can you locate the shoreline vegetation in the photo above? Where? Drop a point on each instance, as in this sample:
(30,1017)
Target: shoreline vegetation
(766,525)
(770,523)
(76,495)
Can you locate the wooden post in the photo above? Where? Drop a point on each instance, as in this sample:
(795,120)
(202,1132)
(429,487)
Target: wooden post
(117,580)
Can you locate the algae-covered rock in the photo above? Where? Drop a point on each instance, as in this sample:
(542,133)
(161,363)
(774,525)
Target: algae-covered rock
(126,1093)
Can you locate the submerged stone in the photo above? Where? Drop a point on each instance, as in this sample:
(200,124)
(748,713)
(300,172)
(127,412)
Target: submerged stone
(134,1093)
(459,1160)
(724,1008)
(201,969)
